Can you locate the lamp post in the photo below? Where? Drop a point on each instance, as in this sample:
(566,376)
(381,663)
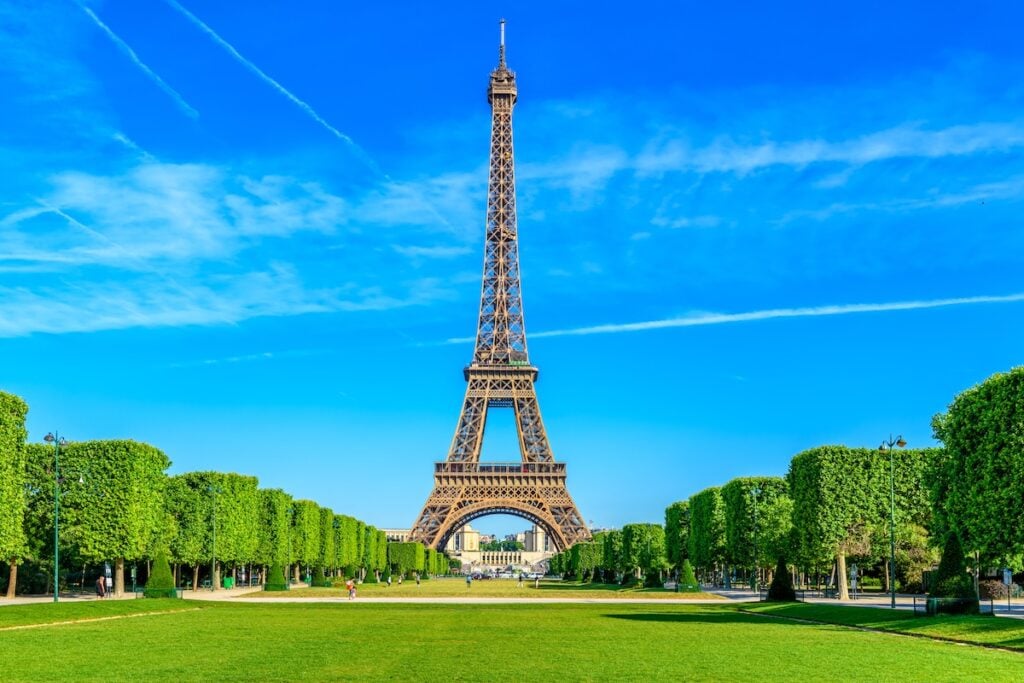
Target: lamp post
(887,446)
(755,492)
(214,489)
(57,443)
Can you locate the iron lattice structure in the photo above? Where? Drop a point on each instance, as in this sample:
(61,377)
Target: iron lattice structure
(500,376)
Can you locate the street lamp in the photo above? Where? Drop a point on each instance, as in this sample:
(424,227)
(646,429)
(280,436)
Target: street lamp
(57,443)
(755,492)
(887,446)
(213,567)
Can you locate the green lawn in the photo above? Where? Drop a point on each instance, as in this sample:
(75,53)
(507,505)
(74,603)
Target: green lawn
(491,588)
(986,630)
(521,642)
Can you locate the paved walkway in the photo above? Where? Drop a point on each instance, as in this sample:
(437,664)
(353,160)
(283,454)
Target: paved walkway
(876,600)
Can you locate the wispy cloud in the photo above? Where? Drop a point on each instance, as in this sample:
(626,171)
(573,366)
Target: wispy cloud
(727,156)
(174,95)
(436,252)
(262,75)
(698,319)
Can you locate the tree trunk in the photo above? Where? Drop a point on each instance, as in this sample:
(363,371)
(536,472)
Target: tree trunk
(12,582)
(215,576)
(844,592)
(887,576)
(119,577)
(298,573)
(195,577)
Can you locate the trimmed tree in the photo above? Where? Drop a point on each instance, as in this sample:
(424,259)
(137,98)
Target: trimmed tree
(160,583)
(976,486)
(687,579)
(117,510)
(951,578)
(706,543)
(275,579)
(13,503)
(677,532)
(781,589)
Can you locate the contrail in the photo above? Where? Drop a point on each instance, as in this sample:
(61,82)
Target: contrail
(178,99)
(769,314)
(361,153)
(259,72)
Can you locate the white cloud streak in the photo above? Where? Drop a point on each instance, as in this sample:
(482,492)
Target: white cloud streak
(262,76)
(698,319)
(174,95)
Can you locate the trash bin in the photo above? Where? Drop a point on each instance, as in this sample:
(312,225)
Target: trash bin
(229,582)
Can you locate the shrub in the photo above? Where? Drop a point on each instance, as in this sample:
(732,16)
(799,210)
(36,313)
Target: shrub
(991,589)
(319,579)
(160,583)
(687,579)
(951,578)
(781,589)
(275,579)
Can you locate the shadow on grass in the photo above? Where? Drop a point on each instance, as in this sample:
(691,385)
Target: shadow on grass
(701,617)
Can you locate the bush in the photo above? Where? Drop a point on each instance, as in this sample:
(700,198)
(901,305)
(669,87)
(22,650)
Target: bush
(275,579)
(951,579)
(319,579)
(781,589)
(160,583)
(687,579)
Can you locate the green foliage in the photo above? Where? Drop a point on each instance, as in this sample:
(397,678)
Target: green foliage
(117,508)
(306,532)
(677,532)
(841,499)
(584,559)
(327,538)
(951,578)
(612,559)
(160,583)
(687,579)
(13,475)
(320,579)
(498,546)
(781,588)
(273,545)
(406,557)
(706,543)
(643,548)
(976,485)
(275,579)
(774,524)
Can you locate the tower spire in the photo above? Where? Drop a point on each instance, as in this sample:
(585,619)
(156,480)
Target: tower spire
(501,45)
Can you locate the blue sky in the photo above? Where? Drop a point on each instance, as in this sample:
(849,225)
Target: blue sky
(250,233)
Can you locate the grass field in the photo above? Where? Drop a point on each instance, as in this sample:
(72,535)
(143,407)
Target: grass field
(521,642)
(1008,633)
(492,588)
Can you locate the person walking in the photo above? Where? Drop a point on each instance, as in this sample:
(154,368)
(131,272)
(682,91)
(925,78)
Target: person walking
(109,581)
(469,580)
(417,578)
(100,587)
(351,585)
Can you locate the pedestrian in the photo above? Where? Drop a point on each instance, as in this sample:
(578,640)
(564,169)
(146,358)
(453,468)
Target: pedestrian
(469,580)
(399,579)
(100,587)
(417,578)
(519,581)
(351,585)
(110,586)
(389,580)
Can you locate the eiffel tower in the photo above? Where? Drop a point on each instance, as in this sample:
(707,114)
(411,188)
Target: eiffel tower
(500,376)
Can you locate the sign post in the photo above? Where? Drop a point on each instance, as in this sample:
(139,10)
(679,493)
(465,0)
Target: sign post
(1008,580)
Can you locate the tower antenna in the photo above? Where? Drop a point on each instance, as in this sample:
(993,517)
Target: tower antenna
(501,46)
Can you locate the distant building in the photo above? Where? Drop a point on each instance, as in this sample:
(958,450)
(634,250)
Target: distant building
(464,545)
